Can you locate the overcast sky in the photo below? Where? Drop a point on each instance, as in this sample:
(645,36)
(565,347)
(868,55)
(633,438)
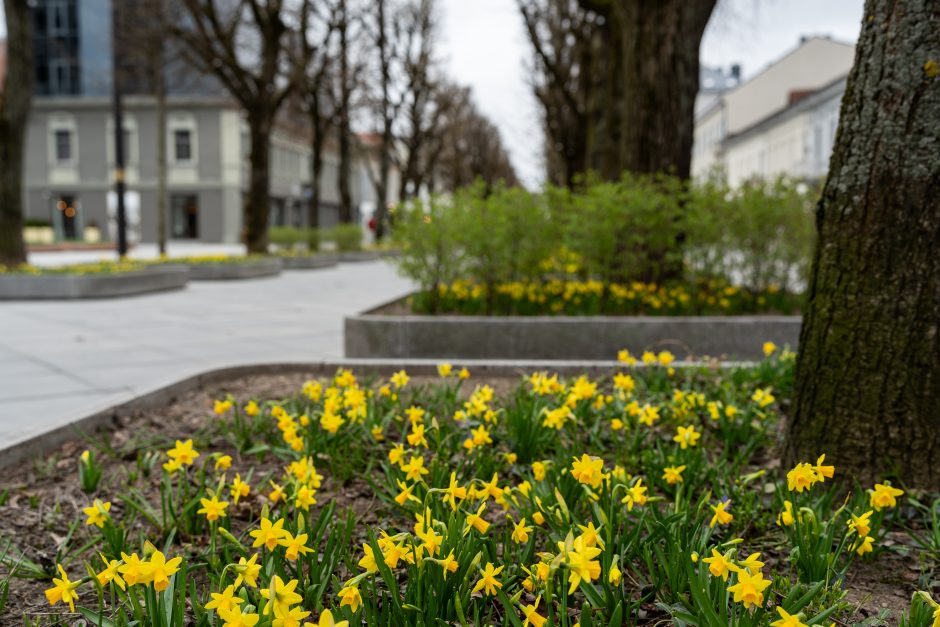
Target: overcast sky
(484,46)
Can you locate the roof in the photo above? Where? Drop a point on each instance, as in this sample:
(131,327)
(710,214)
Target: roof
(805,103)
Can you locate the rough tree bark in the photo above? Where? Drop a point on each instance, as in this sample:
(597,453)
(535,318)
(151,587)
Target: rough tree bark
(15,98)
(868,371)
(641,114)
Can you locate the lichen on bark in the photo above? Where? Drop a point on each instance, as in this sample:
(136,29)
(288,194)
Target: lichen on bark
(868,371)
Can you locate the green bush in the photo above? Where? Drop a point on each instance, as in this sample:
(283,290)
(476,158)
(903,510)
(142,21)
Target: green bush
(652,229)
(760,235)
(290,237)
(347,237)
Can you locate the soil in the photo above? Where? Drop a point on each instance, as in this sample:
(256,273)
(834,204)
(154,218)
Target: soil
(41,501)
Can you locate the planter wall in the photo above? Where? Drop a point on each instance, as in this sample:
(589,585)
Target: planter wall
(309,262)
(74,286)
(367,255)
(235,271)
(561,337)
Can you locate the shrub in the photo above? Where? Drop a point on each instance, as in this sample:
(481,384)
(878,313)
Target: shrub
(608,235)
(760,235)
(347,237)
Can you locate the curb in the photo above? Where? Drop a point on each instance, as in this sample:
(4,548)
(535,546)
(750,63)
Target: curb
(165,393)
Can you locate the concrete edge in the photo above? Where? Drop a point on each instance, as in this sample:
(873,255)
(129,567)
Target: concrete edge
(222,271)
(64,286)
(164,393)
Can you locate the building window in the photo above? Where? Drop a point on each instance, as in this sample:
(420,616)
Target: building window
(182,142)
(184,218)
(63,146)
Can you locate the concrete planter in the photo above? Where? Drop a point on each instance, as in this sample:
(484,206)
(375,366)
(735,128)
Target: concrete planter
(309,262)
(378,336)
(72,286)
(235,271)
(367,255)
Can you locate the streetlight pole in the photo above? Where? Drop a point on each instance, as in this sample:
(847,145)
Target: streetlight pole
(119,185)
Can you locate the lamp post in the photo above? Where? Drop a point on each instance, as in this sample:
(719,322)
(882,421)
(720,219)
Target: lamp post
(119,185)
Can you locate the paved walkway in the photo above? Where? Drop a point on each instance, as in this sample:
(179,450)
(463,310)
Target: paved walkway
(62,360)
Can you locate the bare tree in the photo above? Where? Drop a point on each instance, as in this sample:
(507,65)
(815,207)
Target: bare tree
(386,37)
(318,25)
(343,104)
(468,146)
(421,115)
(144,46)
(217,35)
(562,35)
(15,97)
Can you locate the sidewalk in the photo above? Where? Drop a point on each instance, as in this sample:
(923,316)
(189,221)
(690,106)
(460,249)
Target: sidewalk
(60,360)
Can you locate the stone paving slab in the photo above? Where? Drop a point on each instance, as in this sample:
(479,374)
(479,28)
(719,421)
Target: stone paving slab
(59,360)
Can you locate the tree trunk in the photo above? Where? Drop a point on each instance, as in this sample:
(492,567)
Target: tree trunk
(257,202)
(641,112)
(385,162)
(15,98)
(344,130)
(316,164)
(868,371)
(160,96)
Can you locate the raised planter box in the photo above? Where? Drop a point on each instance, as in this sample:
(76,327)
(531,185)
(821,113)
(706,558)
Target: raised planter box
(309,262)
(235,271)
(377,336)
(367,255)
(74,286)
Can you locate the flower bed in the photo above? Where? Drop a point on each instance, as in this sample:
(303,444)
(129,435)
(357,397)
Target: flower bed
(643,497)
(225,268)
(90,280)
(568,296)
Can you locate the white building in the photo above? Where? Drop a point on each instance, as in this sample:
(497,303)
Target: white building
(778,122)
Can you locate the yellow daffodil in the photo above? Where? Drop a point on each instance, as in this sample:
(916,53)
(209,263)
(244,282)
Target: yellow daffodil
(785,519)
(861,524)
(488,582)
(183,453)
(110,573)
(883,495)
(161,570)
(239,488)
(326,620)
(280,595)
(786,619)
(225,600)
(749,589)
(588,470)
(97,513)
(295,546)
(719,565)
(234,617)
(520,533)
(532,617)
(673,474)
(62,590)
(476,521)
(268,534)
(247,571)
(721,515)
(686,436)
(349,596)
(213,508)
